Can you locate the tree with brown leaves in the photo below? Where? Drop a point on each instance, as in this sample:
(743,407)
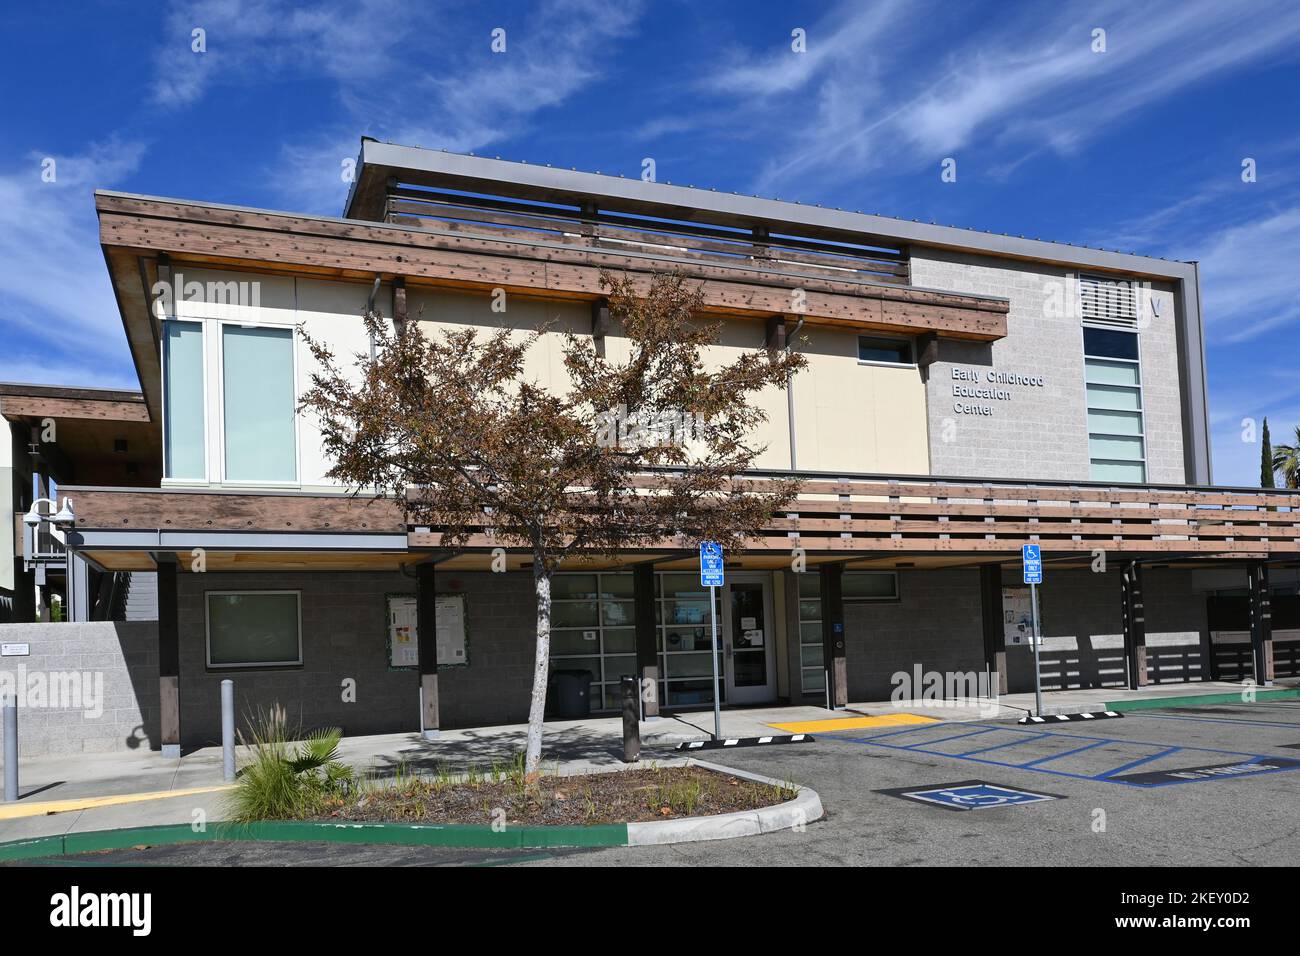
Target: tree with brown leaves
(642,448)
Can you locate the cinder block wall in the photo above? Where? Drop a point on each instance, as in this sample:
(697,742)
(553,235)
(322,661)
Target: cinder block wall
(1042,432)
(1083,631)
(344,633)
(123,655)
(936,623)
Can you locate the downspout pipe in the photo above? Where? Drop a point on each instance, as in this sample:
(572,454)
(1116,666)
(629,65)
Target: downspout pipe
(789,397)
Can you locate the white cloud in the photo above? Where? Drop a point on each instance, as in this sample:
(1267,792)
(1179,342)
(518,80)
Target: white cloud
(253,40)
(58,316)
(872,92)
(398,77)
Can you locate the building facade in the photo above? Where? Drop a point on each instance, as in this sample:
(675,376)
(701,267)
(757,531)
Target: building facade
(965,393)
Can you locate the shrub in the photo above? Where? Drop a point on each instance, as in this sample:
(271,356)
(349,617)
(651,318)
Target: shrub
(284,782)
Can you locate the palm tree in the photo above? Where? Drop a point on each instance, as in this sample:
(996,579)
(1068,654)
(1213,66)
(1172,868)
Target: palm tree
(1286,459)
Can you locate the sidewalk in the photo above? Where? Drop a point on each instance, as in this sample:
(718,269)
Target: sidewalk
(568,747)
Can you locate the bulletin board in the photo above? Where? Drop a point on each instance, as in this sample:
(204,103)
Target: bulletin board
(403,645)
(1017,616)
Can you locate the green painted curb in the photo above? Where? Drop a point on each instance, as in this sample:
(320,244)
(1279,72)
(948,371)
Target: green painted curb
(300,831)
(1150,703)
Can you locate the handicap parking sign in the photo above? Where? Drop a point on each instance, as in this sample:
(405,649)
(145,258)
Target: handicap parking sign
(711,568)
(975,796)
(1032,557)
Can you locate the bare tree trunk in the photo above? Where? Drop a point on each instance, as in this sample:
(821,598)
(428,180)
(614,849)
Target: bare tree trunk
(541,668)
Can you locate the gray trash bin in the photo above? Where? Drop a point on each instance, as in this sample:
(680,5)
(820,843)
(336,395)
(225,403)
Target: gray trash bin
(570,694)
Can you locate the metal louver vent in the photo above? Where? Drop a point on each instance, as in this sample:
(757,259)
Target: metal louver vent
(1111,302)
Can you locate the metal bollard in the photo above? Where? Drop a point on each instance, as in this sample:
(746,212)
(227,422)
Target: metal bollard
(11,748)
(228,730)
(631,720)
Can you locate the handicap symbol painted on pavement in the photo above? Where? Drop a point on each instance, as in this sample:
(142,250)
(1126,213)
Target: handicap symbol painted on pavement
(973,795)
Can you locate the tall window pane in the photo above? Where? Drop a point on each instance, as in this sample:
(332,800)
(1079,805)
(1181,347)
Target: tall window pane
(257,380)
(184,434)
(1113,373)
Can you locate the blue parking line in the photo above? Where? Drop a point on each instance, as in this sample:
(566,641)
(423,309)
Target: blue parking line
(1087,742)
(931,743)
(1138,763)
(1035,763)
(1225,720)
(1014,743)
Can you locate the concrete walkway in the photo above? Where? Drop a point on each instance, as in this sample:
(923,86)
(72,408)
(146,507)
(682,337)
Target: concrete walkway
(104,791)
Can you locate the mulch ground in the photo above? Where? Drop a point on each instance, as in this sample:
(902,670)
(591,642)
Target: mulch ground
(628,796)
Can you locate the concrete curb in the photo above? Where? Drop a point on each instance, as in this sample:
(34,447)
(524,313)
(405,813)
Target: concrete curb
(803,809)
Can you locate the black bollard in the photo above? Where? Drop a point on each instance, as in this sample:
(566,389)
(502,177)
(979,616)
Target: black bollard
(631,720)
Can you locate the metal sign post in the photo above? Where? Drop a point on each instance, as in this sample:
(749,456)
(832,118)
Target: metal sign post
(711,577)
(1032,558)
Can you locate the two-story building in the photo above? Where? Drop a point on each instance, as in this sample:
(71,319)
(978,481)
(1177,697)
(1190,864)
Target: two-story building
(966,393)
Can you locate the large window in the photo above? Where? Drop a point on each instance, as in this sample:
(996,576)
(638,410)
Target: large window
(1113,377)
(812,665)
(684,635)
(592,629)
(855,587)
(259,402)
(254,628)
(184,436)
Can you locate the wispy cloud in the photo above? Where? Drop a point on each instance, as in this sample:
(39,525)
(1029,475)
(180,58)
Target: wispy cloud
(253,40)
(871,93)
(393,81)
(57,312)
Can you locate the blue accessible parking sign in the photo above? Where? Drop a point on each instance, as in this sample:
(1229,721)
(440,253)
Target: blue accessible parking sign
(711,573)
(1033,561)
(976,796)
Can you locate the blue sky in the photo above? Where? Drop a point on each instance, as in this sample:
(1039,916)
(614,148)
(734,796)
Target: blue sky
(1139,148)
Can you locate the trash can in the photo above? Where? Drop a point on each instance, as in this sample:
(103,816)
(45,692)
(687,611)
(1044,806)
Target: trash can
(570,694)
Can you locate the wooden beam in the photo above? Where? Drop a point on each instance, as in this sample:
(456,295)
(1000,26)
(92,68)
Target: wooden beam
(32,406)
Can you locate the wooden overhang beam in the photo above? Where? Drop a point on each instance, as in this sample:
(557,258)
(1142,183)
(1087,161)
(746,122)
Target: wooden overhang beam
(239,238)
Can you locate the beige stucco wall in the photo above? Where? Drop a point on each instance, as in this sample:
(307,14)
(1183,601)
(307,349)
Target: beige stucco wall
(851,417)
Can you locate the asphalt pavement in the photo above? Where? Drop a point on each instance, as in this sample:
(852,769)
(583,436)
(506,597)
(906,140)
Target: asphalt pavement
(1207,785)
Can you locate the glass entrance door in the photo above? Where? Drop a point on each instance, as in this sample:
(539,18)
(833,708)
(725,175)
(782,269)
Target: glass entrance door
(748,634)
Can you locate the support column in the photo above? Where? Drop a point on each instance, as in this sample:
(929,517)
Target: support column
(426,634)
(24,610)
(647,655)
(1261,622)
(169,658)
(1135,627)
(995,651)
(832,594)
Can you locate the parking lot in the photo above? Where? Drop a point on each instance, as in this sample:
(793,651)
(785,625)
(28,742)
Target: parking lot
(1209,785)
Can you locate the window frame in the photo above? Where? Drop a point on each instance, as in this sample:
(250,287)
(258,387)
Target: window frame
(904,340)
(1089,408)
(164,365)
(292,328)
(246,665)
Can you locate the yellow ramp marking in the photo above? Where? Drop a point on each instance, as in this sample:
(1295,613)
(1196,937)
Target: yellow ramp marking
(852,723)
(12,811)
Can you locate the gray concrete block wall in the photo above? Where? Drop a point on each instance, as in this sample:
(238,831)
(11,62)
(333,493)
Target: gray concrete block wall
(1083,631)
(935,623)
(1040,431)
(116,664)
(344,635)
